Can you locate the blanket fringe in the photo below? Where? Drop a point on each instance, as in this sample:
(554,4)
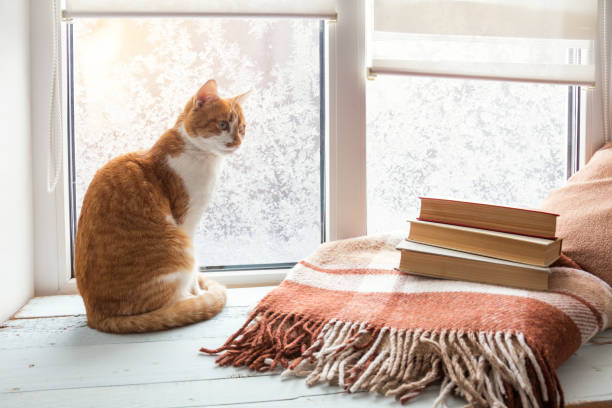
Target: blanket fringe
(488,369)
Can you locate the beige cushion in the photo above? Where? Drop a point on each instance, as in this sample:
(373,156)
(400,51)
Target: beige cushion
(585,208)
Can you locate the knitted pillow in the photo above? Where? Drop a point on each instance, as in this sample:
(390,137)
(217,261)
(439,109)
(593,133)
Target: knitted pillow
(585,208)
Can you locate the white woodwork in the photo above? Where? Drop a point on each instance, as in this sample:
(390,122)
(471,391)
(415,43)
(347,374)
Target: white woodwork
(54,360)
(347,122)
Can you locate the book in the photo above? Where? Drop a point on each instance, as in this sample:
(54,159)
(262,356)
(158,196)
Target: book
(511,247)
(432,261)
(488,216)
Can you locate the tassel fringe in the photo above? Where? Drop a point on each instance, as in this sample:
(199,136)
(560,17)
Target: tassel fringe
(487,369)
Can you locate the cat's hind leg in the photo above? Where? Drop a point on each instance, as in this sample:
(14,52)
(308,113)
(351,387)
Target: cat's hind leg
(212,286)
(205,300)
(185,311)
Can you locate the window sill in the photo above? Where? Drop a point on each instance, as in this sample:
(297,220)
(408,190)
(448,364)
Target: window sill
(249,278)
(231,279)
(49,354)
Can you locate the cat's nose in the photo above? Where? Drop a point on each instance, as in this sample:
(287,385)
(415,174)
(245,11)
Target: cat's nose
(235,143)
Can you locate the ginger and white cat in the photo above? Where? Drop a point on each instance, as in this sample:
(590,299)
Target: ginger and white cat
(134,257)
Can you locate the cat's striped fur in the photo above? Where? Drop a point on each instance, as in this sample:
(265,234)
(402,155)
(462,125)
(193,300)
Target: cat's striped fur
(134,257)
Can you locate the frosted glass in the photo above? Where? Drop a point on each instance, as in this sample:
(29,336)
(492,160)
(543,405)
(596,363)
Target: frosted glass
(134,76)
(475,140)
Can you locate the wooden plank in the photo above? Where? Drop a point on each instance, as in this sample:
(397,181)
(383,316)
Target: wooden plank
(68,305)
(72,331)
(244,391)
(248,297)
(51,368)
(587,375)
(343,399)
(43,306)
(603,337)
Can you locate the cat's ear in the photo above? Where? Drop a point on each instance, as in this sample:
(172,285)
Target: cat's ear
(241,98)
(207,93)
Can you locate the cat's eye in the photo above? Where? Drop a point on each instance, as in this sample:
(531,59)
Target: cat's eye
(223,125)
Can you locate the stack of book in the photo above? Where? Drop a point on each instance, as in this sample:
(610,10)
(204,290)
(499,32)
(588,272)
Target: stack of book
(481,243)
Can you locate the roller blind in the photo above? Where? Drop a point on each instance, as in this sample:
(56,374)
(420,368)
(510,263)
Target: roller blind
(324,9)
(550,41)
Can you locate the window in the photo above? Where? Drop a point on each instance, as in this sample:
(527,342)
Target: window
(435,129)
(453,134)
(501,142)
(132,77)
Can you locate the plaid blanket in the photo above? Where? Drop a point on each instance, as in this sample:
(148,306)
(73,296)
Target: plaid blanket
(345,316)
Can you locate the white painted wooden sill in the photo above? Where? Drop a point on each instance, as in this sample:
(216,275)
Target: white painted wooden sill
(51,358)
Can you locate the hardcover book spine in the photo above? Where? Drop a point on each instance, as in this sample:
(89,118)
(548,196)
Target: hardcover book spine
(458,269)
(506,230)
(473,242)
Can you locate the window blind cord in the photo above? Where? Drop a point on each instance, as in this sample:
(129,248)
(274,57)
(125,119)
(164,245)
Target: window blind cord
(605,67)
(54,153)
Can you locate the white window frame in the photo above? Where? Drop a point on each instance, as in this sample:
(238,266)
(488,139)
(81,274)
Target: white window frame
(346,151)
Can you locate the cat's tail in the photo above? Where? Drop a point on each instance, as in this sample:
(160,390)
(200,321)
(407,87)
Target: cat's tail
(181,313)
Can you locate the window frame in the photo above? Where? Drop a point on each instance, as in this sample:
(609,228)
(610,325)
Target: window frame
(71,151)
(344,150)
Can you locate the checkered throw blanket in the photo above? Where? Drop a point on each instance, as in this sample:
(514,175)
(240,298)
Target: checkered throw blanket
(345,316)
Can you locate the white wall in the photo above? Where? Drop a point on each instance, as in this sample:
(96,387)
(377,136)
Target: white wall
(16,227)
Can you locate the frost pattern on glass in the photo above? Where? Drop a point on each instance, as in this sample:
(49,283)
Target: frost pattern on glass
(486,141)
(133,77)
